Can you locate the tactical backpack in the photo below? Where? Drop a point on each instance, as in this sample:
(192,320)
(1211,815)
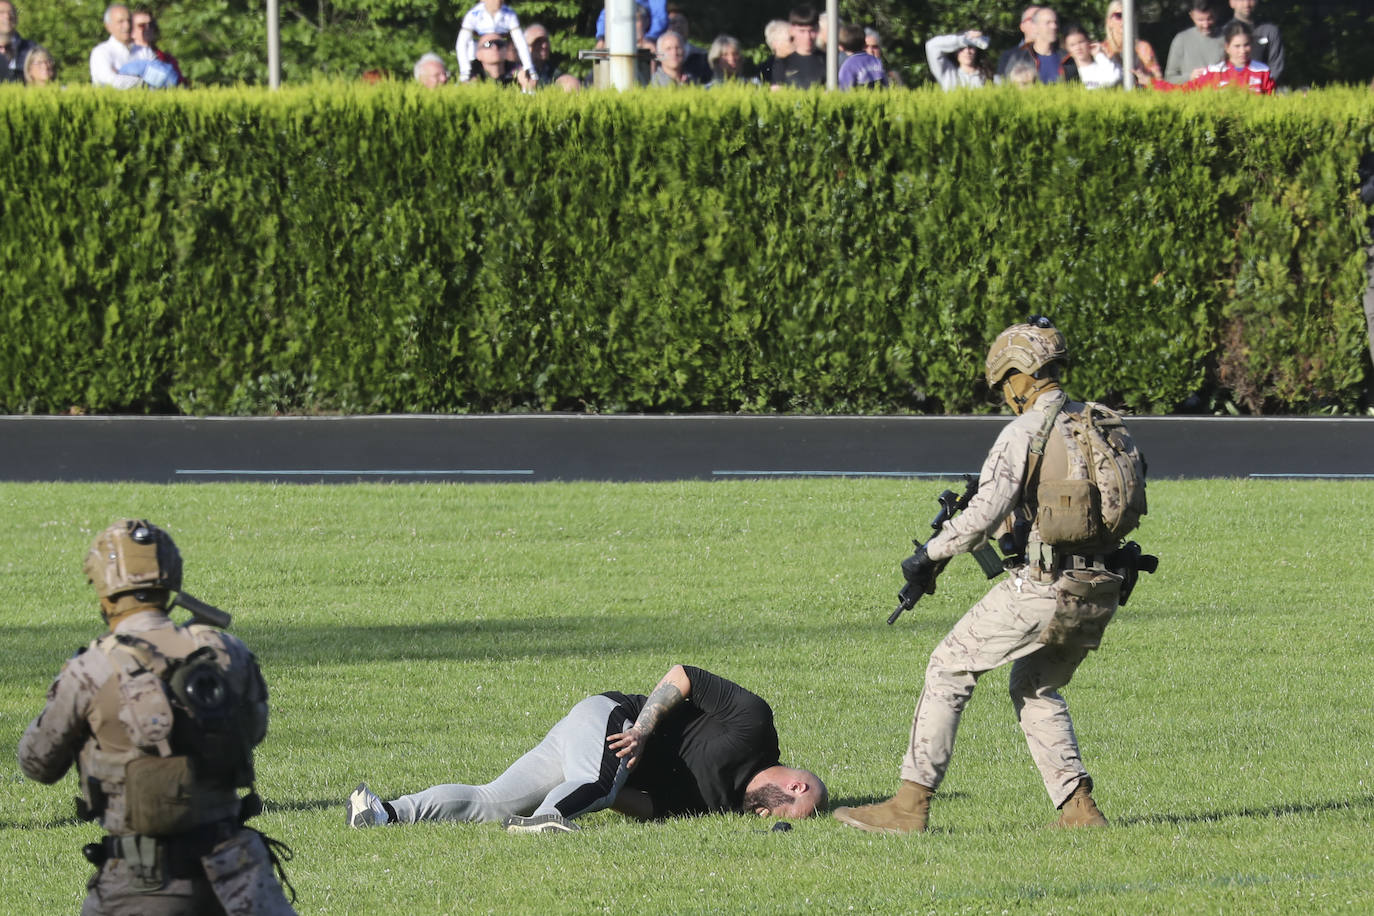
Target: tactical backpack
(186,710)
(1092,494)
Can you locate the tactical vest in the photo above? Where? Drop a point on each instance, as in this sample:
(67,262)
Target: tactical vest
(172,728)
(1087,492)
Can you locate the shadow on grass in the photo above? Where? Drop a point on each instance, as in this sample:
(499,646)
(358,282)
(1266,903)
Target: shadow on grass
(319,804)
(268,806)
(854,801)
(492,639)
(1205,817)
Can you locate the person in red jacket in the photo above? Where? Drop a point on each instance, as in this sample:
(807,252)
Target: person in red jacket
(1238,71)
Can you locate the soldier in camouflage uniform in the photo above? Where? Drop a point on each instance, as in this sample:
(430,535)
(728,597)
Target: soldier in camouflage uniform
(1011,621)
(160,721)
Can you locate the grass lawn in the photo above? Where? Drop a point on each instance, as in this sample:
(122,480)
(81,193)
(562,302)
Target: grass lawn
(417,634)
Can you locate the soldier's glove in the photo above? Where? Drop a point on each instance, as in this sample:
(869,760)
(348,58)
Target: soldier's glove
(920,572)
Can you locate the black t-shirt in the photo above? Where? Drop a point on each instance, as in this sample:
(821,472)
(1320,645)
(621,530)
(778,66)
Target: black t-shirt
(800,70)
(702,755)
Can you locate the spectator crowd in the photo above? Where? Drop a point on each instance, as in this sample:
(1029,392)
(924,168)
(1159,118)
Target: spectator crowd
(493,45)
(1244,54)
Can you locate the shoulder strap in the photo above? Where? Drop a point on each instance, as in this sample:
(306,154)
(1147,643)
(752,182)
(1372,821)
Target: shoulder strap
(1037,445)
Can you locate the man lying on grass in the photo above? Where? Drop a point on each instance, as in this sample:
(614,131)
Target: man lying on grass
(698,744)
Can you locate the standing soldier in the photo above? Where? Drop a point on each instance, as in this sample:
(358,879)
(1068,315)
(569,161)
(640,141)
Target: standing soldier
(161,721)
(1071,472)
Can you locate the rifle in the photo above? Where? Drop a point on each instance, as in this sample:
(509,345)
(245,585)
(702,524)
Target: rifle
(950,506)
(201,612)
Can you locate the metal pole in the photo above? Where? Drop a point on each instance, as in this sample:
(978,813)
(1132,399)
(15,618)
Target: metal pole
(832,44)
(273,45)
(1128,44)
(620,41)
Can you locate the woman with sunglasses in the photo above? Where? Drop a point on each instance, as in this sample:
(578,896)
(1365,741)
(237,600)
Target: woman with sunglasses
(1111,46)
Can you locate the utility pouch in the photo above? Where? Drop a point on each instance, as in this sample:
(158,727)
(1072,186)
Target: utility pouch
(160,795)
(1085,601)
(1069,513)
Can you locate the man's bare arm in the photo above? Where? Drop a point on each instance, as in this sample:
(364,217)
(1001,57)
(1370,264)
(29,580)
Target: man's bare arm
(671,690)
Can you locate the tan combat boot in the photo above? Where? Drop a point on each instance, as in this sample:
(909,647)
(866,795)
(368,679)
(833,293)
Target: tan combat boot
(906,812)
(1080,810)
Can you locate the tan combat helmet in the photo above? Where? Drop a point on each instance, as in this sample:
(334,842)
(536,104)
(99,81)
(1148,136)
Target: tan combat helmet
(133,554)
(1027,348)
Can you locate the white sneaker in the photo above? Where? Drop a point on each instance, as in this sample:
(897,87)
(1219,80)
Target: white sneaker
(364,808)
(542,823)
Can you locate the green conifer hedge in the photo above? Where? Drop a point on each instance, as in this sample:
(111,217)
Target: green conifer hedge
(382,249)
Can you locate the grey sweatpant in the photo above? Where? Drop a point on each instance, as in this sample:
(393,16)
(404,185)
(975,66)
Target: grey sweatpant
(571,772)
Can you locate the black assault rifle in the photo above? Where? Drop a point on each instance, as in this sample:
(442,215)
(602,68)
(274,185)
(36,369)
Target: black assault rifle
(201,612)
(950,506)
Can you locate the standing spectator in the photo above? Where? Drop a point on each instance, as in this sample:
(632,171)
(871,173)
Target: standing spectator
(546,71)
(1027,27)
(431,71)
(1115,29)
(39,67)
(672,59)
(860,69)
(1367,196)
(108,56)
(146,35)
(959,61)
(1042,50)
(1093,70)
(778,36)
(490,18)
(1267,47)
(1194,50)
(726,58)
(695,60)
(14,48)
(658,21)
(873,44)
(1237,71)
(803,68)
(492,65)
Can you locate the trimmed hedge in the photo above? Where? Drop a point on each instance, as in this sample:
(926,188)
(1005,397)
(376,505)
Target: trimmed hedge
(382,249)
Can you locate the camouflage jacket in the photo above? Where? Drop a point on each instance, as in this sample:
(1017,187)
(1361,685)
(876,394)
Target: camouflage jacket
(1002,481)
(80,722)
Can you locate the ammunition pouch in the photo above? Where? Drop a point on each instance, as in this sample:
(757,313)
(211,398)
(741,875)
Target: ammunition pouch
(162,796)
(1085,601)
(1069,512)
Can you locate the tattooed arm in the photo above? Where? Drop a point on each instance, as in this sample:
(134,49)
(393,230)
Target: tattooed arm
(671,691)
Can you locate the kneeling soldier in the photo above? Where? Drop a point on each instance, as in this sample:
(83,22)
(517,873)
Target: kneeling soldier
(161,721)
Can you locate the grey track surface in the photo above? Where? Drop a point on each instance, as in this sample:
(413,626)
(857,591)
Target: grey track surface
(627,448)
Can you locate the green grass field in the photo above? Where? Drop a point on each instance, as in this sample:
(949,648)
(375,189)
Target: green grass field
(420,634)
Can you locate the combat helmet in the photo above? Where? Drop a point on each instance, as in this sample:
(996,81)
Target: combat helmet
(1026,348)
(130,555)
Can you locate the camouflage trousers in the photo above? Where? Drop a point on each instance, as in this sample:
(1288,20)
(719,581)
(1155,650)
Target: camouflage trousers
(1001,628)
(236,880)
